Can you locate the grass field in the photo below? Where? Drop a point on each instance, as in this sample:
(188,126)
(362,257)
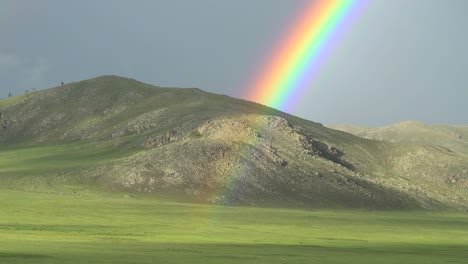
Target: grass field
(99,228)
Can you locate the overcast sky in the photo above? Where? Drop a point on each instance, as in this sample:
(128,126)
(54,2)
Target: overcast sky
(398,60)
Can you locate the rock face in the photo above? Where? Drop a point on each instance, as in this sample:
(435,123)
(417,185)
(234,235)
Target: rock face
(3,124)
(208,148)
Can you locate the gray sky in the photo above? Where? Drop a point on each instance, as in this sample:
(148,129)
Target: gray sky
(399,60)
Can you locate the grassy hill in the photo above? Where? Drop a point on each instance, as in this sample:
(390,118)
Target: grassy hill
(453,137)
(119,135)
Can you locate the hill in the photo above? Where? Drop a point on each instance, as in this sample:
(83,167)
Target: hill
(119,135)
(453,137)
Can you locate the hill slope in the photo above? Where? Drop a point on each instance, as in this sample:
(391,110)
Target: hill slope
(453,137)
(116,134)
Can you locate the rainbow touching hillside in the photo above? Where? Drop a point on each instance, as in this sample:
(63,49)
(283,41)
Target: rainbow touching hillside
(295,60)
(291,69)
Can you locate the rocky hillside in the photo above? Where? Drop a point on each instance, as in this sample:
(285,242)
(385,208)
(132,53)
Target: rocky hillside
(120,135)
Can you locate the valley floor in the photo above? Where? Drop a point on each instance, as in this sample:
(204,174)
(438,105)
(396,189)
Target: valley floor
(97,228)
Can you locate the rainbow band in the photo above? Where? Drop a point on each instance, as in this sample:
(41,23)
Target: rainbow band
(289,68)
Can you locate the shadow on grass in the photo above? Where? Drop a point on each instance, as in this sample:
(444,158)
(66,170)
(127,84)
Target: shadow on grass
(4,256)
(147,252)
(339,253)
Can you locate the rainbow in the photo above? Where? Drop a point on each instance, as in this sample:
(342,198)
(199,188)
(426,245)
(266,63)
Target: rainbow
(289,70)
(292,66)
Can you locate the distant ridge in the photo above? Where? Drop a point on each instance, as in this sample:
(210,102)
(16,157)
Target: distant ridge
(453,137)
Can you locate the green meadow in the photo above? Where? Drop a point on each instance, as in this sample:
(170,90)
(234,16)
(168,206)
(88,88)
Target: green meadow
(110,228)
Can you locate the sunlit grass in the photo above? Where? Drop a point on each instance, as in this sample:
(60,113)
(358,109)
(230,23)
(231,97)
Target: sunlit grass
(97,228)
